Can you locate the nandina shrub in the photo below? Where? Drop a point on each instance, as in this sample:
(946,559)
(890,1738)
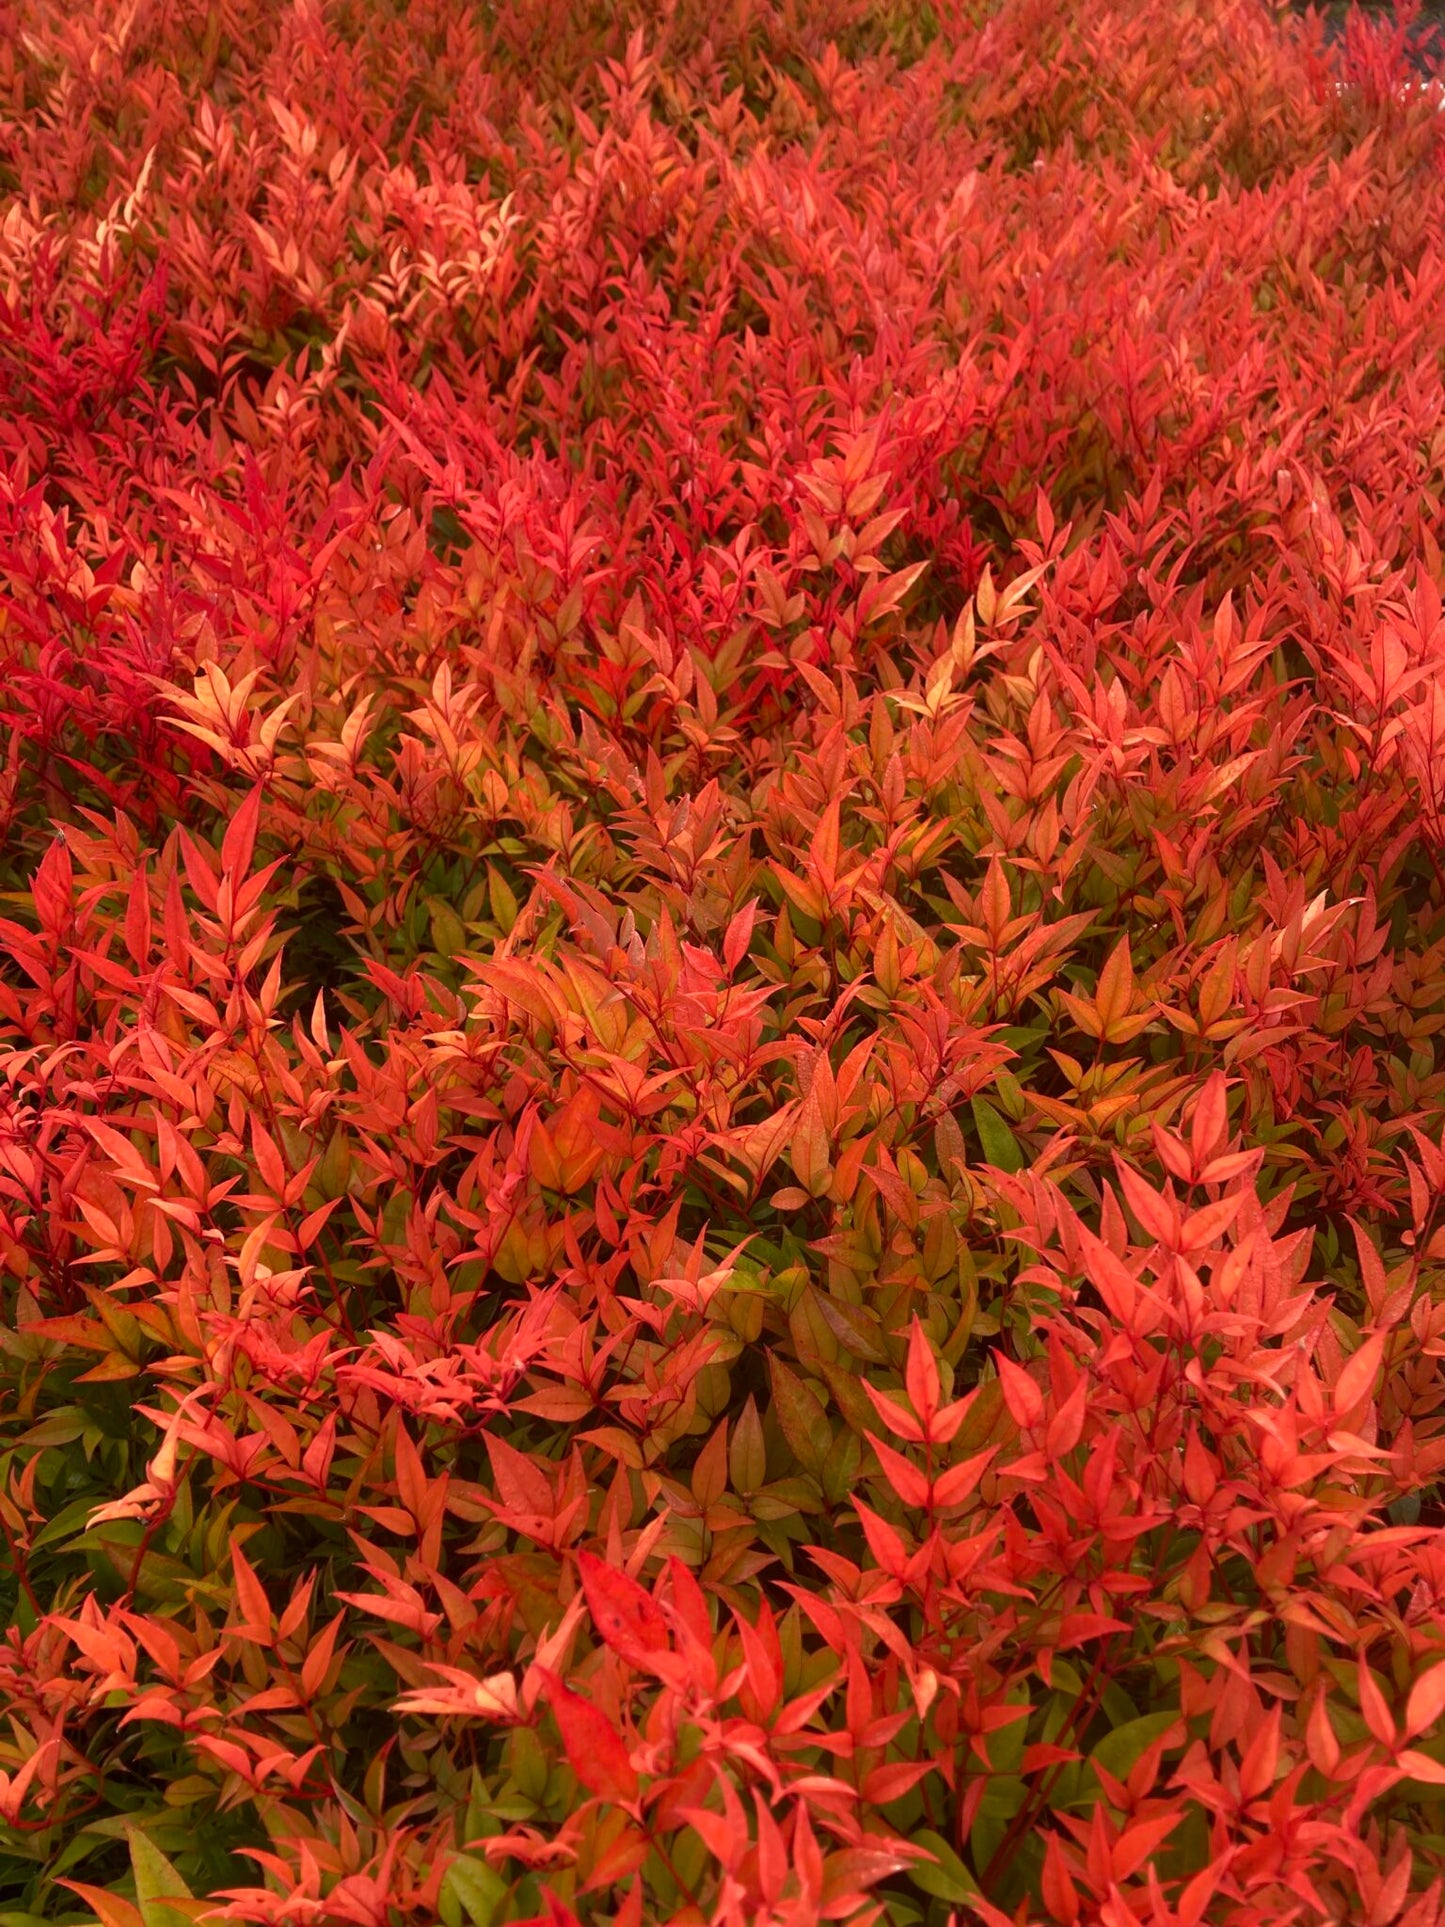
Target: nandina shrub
(723,784)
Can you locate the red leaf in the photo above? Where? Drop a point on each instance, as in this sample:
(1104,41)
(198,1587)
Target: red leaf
(239,841)
(1320,1741)
(1136,1843)
(595,1751)
(891,1782)
(894,1415)
(921,1375)
(738,936)
(958,1482)
(1074,1628)
(907,1481)
(1060,1894)
(628,1618)
(1021,1395)
(1110,1277)
(1357,1375)
(883,1542)
(558,1914)
(1373,1705)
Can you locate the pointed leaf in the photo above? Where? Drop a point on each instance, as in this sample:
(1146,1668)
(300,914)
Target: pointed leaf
(1427,1702)
(595,1751)
(156,1883)
(628,1618)
(1357,1374)
(1000,1146)
(239,842)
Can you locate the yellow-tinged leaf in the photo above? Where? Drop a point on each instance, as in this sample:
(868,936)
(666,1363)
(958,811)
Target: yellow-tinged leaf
(158,1887)
(1115,993)
(747,1455)
(943,1875)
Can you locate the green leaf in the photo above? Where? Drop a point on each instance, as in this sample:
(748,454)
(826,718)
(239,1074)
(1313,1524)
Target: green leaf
(840,1468)
(1000,1146)
(747,1454)
(477,1886)
(855,1328)
(68,1523)
(61,1427)
(1119,1750)
(1005,1796)
(846,1390)
(801,1414)
(949,1879)
(1006,1744)
(448,932)
(156,1882)
(501,901)
(786,1497)
(1066,1678)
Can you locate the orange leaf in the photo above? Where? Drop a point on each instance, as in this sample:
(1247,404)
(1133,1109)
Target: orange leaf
(108,1908)
(1115,992)
(251,1595)
(1427,1701)
(1357,1375)
(1421,1767)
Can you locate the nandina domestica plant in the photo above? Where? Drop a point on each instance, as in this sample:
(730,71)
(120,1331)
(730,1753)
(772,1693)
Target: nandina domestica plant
(722,1155)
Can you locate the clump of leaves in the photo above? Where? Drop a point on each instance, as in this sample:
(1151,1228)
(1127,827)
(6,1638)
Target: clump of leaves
(723,785)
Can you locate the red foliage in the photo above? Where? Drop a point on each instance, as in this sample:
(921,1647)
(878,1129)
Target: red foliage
(723,783)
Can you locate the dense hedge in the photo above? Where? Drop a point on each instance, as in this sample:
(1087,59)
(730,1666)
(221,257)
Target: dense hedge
(722,769)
